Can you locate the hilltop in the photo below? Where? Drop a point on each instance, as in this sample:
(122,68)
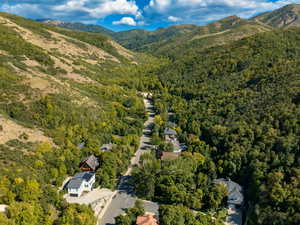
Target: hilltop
(287,16)
(79,26)
(214,34)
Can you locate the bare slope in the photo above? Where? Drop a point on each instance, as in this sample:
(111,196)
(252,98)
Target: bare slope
(287,16)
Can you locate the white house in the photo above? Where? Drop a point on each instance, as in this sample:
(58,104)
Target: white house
(81,182)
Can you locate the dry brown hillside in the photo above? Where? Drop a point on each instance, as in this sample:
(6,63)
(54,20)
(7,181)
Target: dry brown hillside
(47,60)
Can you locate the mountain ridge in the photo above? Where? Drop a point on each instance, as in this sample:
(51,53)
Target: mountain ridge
(285,17)
(163,40)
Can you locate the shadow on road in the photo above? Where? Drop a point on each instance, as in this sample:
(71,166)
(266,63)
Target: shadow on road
(126,186)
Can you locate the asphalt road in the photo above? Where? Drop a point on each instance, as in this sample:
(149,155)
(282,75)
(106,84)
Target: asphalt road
(125,198)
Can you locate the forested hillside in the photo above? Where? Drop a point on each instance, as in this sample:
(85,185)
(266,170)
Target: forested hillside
(174,41)
(63,95)
(237,106)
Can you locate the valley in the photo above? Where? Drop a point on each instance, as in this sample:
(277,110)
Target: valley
(183,125)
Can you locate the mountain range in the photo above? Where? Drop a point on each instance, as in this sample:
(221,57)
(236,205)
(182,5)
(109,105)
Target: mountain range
(177,39)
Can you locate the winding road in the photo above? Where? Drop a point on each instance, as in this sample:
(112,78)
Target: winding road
(124,196)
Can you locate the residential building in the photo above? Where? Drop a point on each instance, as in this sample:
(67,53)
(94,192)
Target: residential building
(170,132)
(235,197)
(81,182)
(172,124)
(146,220)
(90,163)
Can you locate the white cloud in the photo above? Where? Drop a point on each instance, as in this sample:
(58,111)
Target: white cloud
(125,21)
(160,5)
(116,7)
(183,11)
(100,8)
(71,5)
(174,18)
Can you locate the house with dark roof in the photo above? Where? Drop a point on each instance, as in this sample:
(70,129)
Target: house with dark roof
(235,192)
(146,220)
(81,182)
(90,163)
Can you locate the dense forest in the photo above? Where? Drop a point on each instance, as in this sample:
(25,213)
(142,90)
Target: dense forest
(237,106)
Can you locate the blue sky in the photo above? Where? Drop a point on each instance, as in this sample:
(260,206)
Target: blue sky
(148,14)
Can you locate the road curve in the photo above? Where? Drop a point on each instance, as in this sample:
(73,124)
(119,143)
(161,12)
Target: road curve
(124,196)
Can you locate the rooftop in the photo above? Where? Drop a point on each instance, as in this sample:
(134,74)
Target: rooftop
(77,180)
(169,131)
(91,161)
(172,124)
(235,191)
(146,220)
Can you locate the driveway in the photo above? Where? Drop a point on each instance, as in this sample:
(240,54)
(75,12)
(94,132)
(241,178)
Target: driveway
(234,217)
(90,197)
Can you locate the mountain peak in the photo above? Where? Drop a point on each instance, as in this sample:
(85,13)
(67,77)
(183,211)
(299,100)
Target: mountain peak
(287,16)
(230,18)
(53,22)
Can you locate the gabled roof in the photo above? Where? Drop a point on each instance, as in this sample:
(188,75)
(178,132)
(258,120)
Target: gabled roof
(172,124)
(235,191)
(79,178)
(169,131)
(91,162)
(146,220)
